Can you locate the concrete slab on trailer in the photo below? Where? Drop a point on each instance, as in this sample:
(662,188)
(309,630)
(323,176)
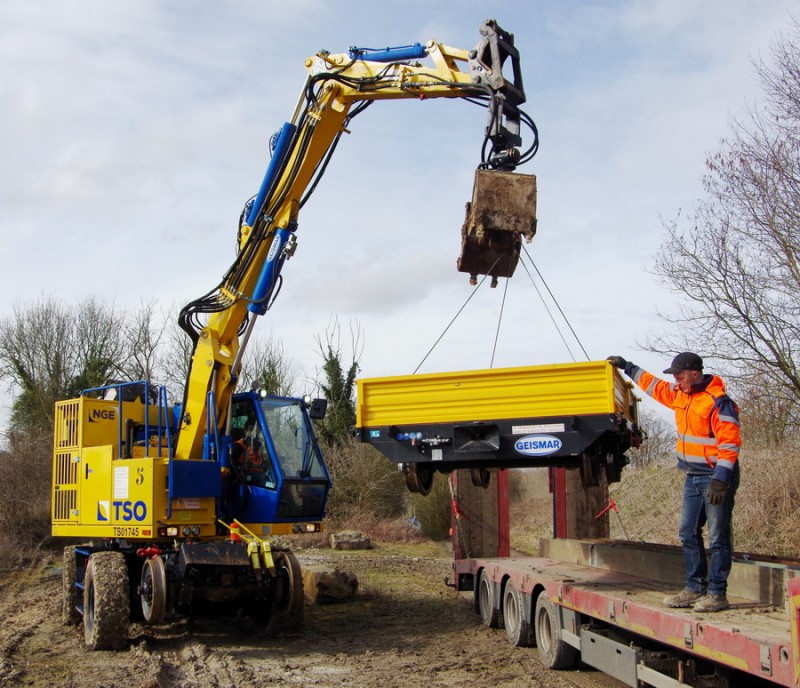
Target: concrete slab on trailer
(756,579)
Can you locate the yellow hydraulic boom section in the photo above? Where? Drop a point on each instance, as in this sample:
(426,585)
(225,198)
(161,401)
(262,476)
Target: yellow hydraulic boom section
(337,88)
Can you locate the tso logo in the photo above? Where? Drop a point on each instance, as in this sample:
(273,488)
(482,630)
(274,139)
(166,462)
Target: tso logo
(98,415)
(538,445)
(129,511)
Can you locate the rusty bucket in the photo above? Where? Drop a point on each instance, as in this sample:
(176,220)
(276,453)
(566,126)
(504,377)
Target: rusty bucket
(502,211)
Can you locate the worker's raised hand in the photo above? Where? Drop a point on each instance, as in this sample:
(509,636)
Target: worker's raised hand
(717,492)
(617,362)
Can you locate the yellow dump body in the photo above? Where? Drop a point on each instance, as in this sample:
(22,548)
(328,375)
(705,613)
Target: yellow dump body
(563,415)
(564,389)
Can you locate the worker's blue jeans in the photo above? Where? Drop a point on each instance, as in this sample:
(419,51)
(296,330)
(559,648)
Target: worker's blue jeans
(697,512)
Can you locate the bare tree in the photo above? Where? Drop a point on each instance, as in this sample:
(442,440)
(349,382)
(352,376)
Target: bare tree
(736,263)
(176,349)
(144,333)
(659,441)
(49,352)
(35,354)
(267,367)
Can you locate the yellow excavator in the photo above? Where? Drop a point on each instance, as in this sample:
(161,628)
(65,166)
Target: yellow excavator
(178,502)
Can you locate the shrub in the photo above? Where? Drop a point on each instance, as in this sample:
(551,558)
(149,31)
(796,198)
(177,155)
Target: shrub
(364,482)
(433,511)
(25,478)
(764,518)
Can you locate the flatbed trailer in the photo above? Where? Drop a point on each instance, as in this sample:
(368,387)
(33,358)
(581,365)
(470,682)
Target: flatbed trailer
(601,602)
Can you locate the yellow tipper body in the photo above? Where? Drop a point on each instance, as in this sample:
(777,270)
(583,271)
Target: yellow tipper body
(564,389)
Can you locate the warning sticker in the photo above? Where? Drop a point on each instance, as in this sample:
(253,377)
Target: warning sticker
(121,482)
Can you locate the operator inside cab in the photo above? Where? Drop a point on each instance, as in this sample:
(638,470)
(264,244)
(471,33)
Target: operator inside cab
(247,456)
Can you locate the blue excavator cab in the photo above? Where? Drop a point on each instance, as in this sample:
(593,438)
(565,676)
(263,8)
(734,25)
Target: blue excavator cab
(277,473)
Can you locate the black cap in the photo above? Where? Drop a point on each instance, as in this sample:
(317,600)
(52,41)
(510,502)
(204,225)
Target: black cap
(685,361)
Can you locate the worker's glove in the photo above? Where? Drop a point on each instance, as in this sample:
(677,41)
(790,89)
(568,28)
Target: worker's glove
(617,362)
(717,492)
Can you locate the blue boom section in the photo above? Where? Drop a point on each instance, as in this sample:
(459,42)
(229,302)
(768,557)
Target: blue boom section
(401,53)
(282,148)
(270,271)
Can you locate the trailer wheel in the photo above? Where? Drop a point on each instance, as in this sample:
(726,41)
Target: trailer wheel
(69,581)
(419,479)
(553,651)
(106,603)
(486,604)
(518,630)
(153,590)
(286,611)
(480,477)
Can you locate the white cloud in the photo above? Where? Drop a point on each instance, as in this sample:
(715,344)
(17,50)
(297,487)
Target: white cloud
(132,132)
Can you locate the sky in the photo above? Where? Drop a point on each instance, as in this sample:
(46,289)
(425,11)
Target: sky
(133,131)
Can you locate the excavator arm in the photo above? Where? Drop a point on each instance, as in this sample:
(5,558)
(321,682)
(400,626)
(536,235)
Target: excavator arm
(337,88)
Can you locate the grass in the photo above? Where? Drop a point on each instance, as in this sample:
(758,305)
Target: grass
(765,513)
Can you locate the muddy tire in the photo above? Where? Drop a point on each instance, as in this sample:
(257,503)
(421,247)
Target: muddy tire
(106,602)
(553,651)
(518,630)
(485,602)
(69,596)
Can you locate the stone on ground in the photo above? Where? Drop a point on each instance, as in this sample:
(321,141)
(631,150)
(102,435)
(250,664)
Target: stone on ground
(324,585)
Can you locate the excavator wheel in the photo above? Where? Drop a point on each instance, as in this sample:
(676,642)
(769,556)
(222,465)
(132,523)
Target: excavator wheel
(286,609)
(106,604)
(153,590)
(69,577)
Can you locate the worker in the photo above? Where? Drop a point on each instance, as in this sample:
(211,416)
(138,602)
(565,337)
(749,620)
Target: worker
(708,446)
(253,467)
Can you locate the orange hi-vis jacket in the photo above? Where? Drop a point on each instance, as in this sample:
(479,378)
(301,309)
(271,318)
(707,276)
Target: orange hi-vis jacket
(707,421)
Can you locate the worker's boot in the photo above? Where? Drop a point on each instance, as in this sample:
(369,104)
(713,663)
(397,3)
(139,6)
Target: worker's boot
(712,603)
(684,599)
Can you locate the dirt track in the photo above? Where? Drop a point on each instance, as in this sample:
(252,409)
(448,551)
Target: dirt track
(405,629)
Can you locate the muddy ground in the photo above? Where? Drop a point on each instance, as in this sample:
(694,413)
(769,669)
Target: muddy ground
(405,628)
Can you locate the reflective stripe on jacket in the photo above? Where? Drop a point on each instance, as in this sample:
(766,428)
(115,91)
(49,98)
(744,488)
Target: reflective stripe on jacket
(707,421)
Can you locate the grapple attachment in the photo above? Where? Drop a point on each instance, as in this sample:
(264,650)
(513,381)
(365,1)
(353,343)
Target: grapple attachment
(502,211)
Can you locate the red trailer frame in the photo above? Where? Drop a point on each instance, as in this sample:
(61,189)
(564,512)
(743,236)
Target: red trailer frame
(603,599)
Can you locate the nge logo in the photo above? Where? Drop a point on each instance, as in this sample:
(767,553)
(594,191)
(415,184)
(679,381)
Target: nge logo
(97,415)
(538,445)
